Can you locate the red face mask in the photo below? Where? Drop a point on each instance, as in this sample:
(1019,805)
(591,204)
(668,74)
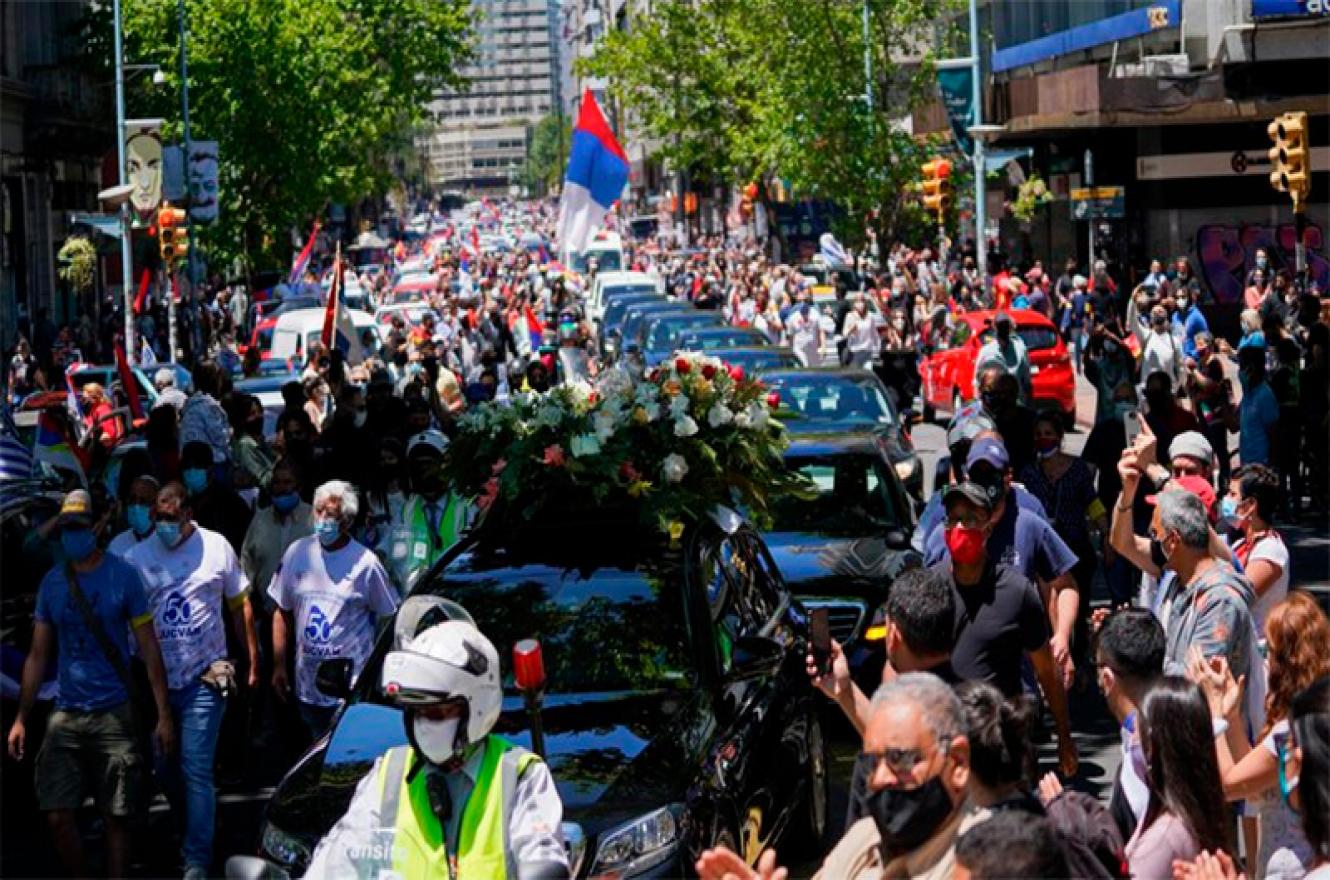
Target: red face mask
(966,544)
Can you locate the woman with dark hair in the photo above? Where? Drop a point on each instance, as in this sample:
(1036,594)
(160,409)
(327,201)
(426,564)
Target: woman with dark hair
(1297,633)
(1186,812)
(249,449)
(1002,760)
(1248,509)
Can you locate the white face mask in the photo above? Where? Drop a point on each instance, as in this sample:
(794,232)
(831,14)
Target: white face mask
(360,417)
(435,739)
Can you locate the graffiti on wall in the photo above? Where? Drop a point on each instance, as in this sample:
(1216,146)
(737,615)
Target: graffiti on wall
(1228,254)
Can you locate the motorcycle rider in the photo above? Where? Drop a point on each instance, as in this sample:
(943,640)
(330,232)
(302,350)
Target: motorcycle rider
(458,801)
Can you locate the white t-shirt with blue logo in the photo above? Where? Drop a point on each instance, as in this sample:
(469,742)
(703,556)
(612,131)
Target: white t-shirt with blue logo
(186,587)
(336,598)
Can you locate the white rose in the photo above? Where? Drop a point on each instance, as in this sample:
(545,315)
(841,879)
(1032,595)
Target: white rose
(684,426)
(757,416)
(673,468)
(679,406)
(741,419)
(719,415)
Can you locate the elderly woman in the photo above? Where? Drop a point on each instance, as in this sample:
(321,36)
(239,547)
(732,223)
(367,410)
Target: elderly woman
(332,593)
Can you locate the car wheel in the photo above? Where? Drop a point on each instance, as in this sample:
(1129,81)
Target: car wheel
(809,832)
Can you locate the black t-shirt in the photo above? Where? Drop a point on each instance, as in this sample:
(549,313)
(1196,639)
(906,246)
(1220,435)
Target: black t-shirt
(997,621)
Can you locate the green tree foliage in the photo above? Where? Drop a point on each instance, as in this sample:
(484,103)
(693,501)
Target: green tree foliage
(311,101)
(545,155)
(753,89)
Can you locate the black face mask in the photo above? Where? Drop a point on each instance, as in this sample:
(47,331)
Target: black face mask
(906,819)
(1157,555)
(1158,400)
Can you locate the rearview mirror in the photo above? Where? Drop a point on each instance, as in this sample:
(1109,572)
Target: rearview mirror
(333,678)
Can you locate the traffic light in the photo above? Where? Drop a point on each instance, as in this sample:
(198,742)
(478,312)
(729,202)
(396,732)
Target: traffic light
(750,193)
(1289,156)
(936,187)
(174,234)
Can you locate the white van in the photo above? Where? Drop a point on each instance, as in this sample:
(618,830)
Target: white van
(606,248)
(606,282)
(295,331)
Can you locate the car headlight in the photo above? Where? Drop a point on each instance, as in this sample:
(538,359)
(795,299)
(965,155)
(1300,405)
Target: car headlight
(286,849)
(640,844)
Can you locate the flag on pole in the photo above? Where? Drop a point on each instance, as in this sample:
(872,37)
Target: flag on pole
(19,479)
(832,251)
(338,331)
(127,382)
(143,292)
(596,175)
(53,446)
(302,259)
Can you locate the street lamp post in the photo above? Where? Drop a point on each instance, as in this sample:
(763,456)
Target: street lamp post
(126,251)
(977,99)
(189,152)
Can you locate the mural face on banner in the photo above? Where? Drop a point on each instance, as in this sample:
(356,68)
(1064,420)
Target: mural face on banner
(203,181)
(143,167)
(1228,254)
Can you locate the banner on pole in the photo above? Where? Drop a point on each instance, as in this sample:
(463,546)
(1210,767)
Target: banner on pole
(957,85)
(203,181)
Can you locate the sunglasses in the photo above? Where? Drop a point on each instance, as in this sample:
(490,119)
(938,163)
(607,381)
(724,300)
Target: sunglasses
(902,762)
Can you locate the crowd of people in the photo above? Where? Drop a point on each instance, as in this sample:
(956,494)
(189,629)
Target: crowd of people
(232,559)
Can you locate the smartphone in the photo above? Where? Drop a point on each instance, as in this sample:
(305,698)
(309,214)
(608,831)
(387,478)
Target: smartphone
(1131,420)
(821,633)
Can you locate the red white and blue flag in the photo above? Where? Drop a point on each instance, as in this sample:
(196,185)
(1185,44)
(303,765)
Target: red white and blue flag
(302,259)
(597,173)
(338,331)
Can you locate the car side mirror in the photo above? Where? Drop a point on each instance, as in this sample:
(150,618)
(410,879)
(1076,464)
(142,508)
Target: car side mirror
(333,678)
(755,655)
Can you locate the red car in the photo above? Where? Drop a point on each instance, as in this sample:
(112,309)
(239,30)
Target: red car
(947,372)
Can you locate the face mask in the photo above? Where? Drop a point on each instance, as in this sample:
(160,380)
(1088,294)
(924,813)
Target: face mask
(195,479)
(327,531)
(1157,554)
(169,534)
(1122,407)
(139,517)
(1286,785)
(360,417)
(966,544)
(1048,448)
(898,324)
(1262,262)
(285,502)
(78,544)
(1228,507)
(1182,302)
(907,818)
(435,740)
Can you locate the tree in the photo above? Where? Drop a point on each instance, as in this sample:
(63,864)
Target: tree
(546,154)
(311,101)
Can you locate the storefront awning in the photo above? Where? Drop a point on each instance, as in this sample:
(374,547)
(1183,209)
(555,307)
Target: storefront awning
(106,224)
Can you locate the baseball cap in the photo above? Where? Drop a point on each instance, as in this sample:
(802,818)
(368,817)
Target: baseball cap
(427,441)
(969,491)
(989,450)
(1191,444)
(1198,486)
(76,508)
(1001,318)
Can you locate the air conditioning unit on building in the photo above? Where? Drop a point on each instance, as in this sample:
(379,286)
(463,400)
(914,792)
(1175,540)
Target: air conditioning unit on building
(1176,64)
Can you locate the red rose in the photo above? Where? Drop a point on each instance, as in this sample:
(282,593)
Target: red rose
(737,373)
(773,400)
(708,372)
(681,365)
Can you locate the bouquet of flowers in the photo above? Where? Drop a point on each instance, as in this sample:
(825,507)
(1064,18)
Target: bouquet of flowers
(692,434)
(1031,195)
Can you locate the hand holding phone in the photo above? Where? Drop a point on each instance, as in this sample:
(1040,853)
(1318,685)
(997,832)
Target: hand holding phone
(1131,421)
(821,639)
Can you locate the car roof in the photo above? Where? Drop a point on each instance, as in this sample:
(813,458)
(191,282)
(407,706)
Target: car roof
(725,330)
(607,279)
(826,445)
(814,372)
(1022,317)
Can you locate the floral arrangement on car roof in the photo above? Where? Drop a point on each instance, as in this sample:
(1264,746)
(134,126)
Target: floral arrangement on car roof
(692,434)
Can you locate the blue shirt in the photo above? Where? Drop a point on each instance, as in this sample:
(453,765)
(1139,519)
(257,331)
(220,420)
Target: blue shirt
(1257,414)
(934,514)
(1193,323)
(1021,540)
(88,681)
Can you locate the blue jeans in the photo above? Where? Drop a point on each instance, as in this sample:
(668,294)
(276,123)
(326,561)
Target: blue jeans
(187,776)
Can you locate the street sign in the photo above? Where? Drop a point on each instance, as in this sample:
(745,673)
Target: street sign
(1098,203)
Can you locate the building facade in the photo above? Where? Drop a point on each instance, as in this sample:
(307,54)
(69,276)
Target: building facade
(56,124)
(479,138)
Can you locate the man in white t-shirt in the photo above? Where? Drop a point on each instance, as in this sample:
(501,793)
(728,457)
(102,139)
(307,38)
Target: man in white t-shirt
(332,593)
(138,515)
(189,574)
(862,336)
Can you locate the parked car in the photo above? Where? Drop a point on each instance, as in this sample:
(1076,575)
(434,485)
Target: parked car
(610,284)
(708,338)
(616,308)
(947,372)
(842,548)
(677,712)
(832,399)
(658,337)
(758,359)
(617,339)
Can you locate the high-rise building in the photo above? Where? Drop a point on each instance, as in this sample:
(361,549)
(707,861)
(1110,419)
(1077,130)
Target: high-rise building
(479,138)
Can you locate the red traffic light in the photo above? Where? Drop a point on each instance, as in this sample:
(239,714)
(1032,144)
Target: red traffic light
(750,191)
(528,665)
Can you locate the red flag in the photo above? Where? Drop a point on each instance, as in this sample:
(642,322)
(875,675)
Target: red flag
(127,382)
(330,312)
(143,292)
(475,241)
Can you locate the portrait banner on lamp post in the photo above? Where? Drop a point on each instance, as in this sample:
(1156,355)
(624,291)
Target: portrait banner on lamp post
(143,165)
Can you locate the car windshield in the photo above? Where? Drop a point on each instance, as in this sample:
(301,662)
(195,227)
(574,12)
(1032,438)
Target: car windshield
(605,630)
(665,331)
(619,290)
(852,497)
(608,261)
(759,358)
(1036,337)
(616,309)
(632,325)
(834,398)
(718,339)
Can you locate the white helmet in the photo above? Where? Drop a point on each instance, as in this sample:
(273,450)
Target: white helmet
(448,662)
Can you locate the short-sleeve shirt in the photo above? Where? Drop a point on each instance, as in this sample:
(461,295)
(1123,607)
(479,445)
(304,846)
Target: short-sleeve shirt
(88,681)
(1020,540)
(997,621)
(336,598)
(186,587)
(1272,549)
